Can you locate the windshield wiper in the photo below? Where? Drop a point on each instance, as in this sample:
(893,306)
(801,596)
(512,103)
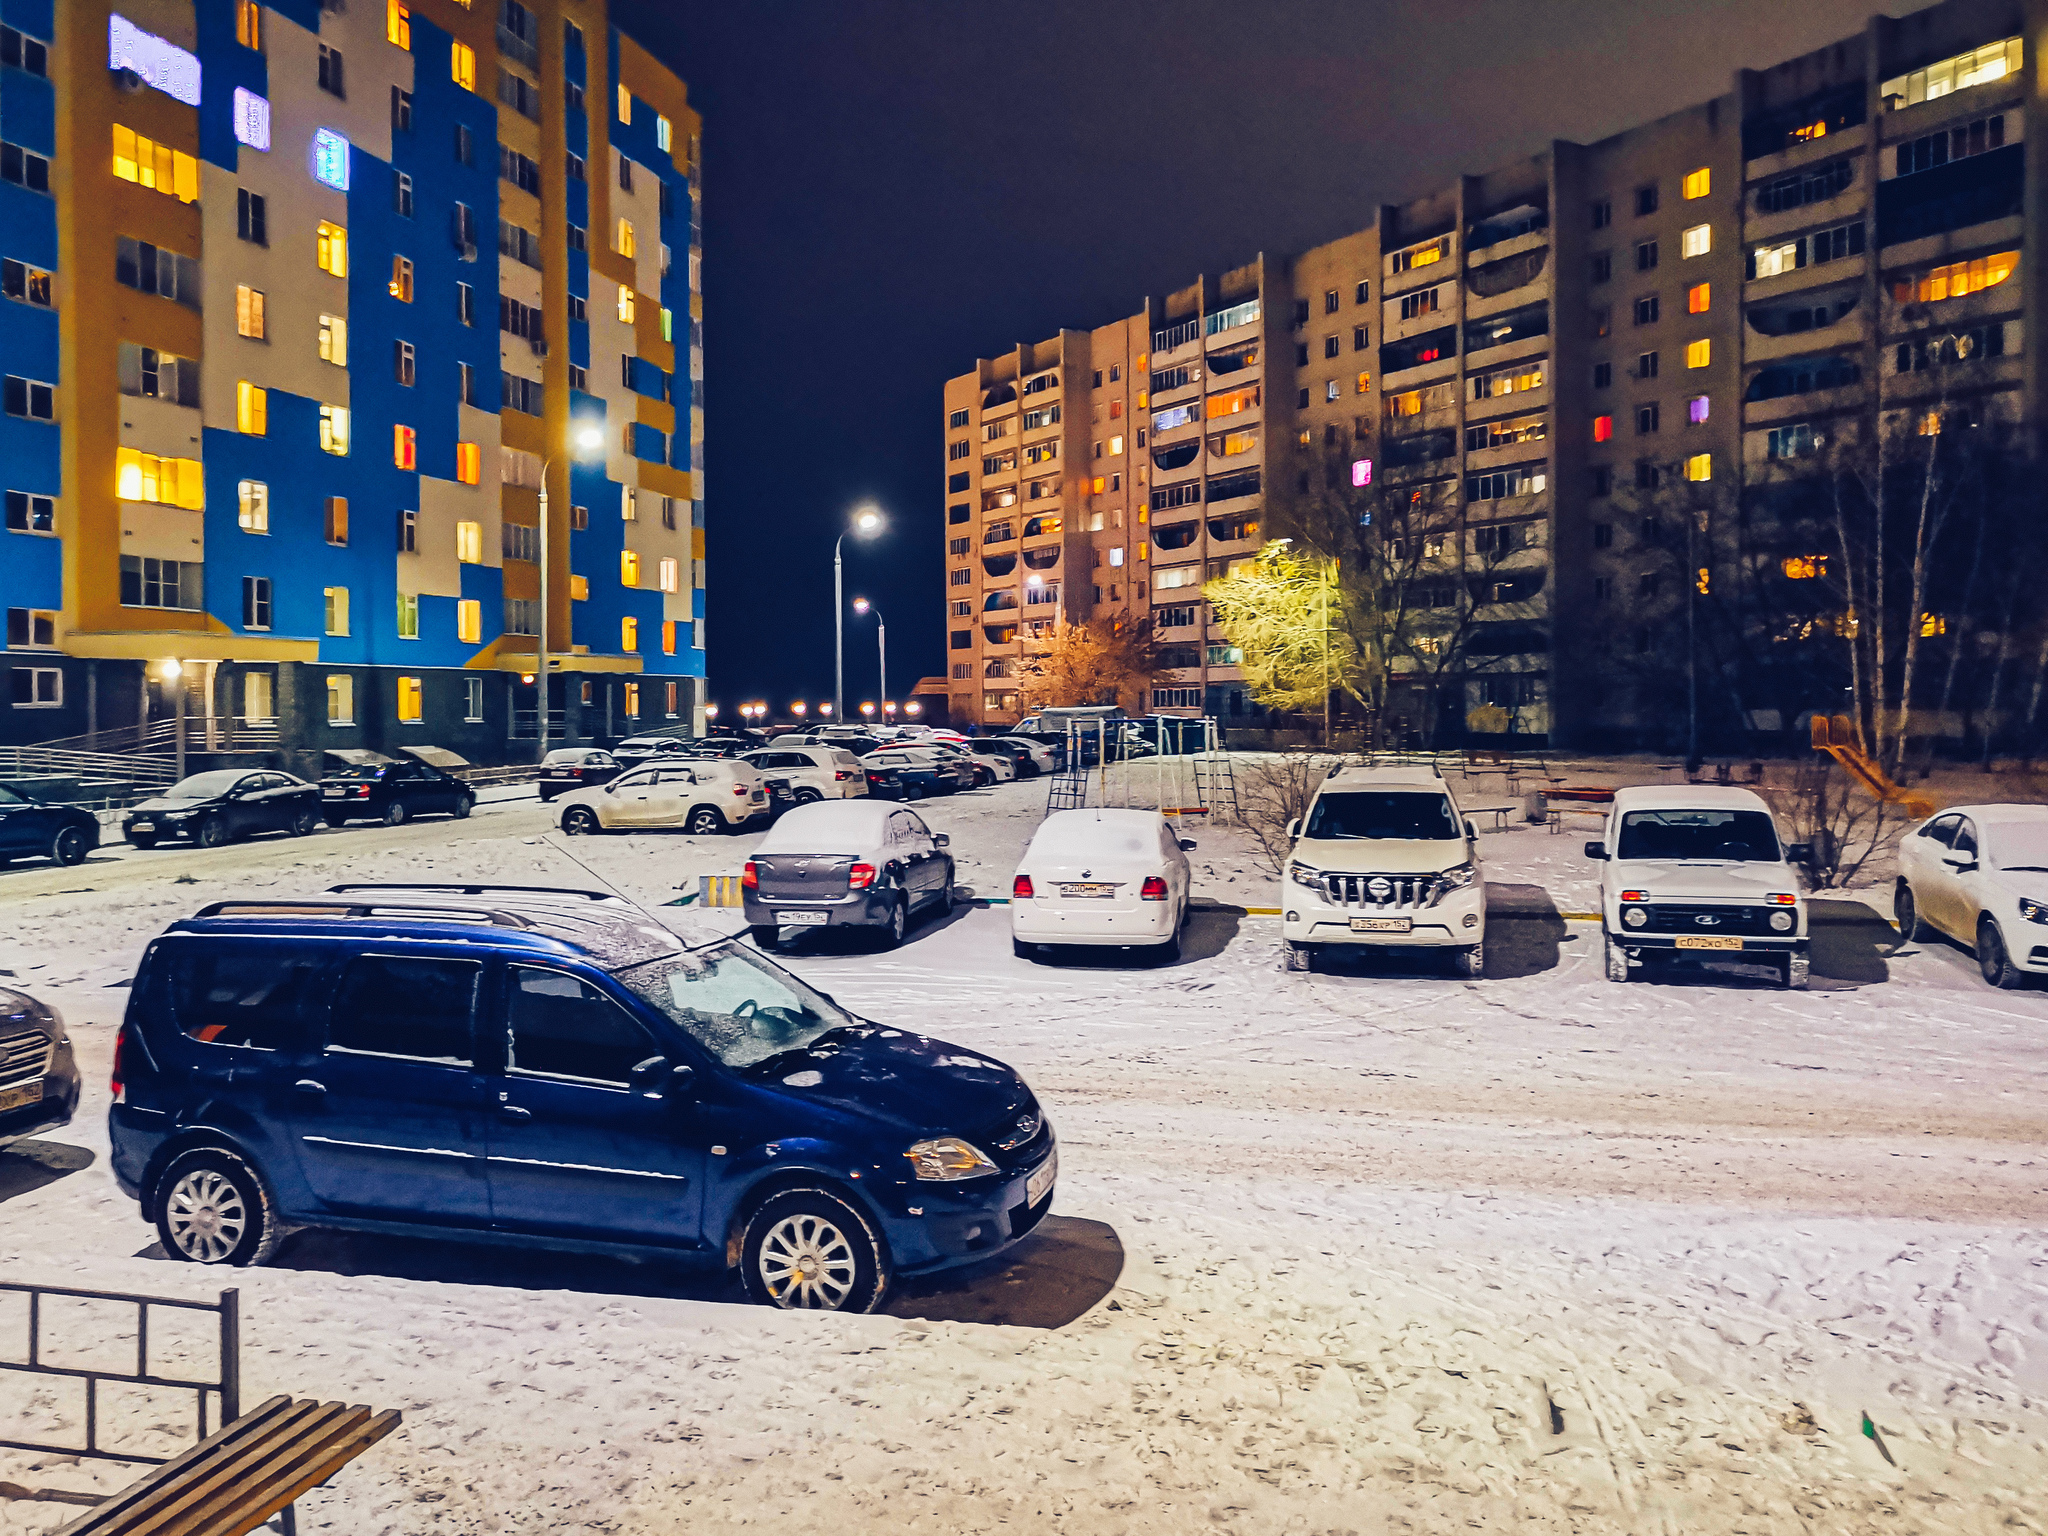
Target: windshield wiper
(2034,869)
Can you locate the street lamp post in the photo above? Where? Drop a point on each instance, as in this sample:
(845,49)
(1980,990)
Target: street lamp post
(587,437)
(862,605)
(865,521)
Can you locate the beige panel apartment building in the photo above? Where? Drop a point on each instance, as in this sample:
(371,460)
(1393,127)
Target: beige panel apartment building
(1595,359)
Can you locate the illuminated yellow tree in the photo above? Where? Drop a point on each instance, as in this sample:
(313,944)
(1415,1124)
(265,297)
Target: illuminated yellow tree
(1107,660)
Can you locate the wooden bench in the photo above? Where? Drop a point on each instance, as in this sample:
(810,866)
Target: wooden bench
(1499,813)
(239,1477)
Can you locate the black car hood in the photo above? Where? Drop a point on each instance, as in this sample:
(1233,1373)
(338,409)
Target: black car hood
(165,803)
(914,1082)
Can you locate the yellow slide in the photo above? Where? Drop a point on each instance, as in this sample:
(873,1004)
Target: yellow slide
(1837,738)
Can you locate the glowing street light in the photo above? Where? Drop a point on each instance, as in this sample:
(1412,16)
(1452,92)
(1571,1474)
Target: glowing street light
(587,438)
(868,708)
(866,522)
(799,709)
(862,605)
(913,708)
(824,709)
(888,706)
(710,711)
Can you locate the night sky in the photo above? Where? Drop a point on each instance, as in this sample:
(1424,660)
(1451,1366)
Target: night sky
(892,190)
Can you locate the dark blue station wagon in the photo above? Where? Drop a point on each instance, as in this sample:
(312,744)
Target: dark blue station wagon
(555,1069)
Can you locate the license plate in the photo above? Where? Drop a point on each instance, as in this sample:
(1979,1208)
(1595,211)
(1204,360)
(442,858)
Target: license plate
(1039,1185)
(30,1093)
(142,826)
(803,919)
(1695,941)
(1382,924)
(331,794)
(1093,890)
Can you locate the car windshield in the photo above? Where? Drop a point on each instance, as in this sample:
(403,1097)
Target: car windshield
(1414,815)
(737,1006)
(9,797)
(2018,844)
(1729,837)
(204,786)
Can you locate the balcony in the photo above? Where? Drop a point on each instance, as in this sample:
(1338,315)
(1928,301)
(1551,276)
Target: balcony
(1177,336)
(999,565)
(518,49)
(1043,558)
(1176,535)
(1177,455)
(1043,525)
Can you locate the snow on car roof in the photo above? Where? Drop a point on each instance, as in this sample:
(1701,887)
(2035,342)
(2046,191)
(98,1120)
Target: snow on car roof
(1995,814)
(1108,830)
(1688,797)
(829,826)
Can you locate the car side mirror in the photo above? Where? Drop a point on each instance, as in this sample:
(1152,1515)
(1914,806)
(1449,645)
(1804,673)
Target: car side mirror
(1294,826)
(1799,853)
(941,840)
(1471,831)
(1596,850)
(1959,862)
(644,1075)
(1187,845)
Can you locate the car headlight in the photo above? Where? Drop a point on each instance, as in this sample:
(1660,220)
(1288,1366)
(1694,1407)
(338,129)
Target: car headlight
(945,1158)
(1782,921)
(1635,917)
(1457,879)
(1301,874)
(2033,911)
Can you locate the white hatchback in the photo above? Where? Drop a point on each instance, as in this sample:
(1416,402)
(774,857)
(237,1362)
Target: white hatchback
(701,796)
(1101,877)
(1979,873)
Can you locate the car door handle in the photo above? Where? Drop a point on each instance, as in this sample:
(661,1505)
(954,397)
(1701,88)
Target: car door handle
(514,1112)
(309,1088)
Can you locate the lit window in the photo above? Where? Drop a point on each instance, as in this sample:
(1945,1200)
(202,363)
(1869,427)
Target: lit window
(1699,353)
(1957,279)
(334,429)
(401,279)
(142,476)
(249,24)
(1700,467)
(341,688)
(625,105)
(668,324)
(1696,409)
(1698,183)
(337,611)
(1116,445)
(1698,298)
(1603,429)
(579,589)
(469,543)
(156,166)
(397,25)
(629,504)
(410,711)
(662,132)
(627,243)
(1364,382)
(252,499)
(408,616)
(334,340)
(1696,241)
(462,65)
(469,621)
(249,312)
(330,159)
(668,575)
(337,520)
(469,463)
(629,568)
(252,408)
(668,648)
(404,447)
(629,634)
(333,249)
(625,304)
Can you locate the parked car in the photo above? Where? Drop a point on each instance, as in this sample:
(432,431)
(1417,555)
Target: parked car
(720,746)
(859,864)
(553,1070)
(32,828)
(705,796)
(1103,876)
(567,768)
(1031,757)
(1689,871)
(911,773)
(38,1073)
(1384,859)
(976,771)
(999,757)
(1049,752)
(392,793)
(801,739)
(812,773)
(1979,874)
(637,751)
(224,803)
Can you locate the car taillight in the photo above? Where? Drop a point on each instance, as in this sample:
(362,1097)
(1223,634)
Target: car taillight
(840,776)
(750,877)
(120,1048)
(1020,889)
(739,789)
(363,790)
(1782,899)
(1635,895)
(861,876)
(1154,889)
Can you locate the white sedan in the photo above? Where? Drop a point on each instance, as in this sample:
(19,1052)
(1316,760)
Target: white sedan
(1979,873)
(1101,877)
(702,796)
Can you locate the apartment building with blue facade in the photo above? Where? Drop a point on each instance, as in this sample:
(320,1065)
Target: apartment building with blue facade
(282,427)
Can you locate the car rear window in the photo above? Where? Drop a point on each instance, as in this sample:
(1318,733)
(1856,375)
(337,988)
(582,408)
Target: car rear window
(251,996)
(1402,814)
(1743,837)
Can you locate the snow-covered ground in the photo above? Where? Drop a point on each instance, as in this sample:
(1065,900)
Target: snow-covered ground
(1379,1250)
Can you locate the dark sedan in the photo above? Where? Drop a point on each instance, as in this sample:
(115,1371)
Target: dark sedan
(568,768)
(392,793)
(210,808)
(38,1074)
(30,828)
(721,746)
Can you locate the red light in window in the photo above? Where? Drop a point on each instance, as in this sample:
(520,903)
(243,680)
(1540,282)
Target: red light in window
(1603,428)
(1429,354)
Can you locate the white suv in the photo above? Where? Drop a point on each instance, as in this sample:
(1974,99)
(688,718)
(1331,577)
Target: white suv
(1384,858)
(1692,870)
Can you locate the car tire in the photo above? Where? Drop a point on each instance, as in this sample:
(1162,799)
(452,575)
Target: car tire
(1616,959)
(395,814)
(1169,952)
(890,934)
(303,824)
(213,1208)
(805,797)
(141,839)
(1798,973)
(70,846)
(1995,960)
(704,821)
(796,1229)
(765,935)
(947,900)
(1300,957)
(212,833)
(1913,927)
(1471,962)
(464,806)
(580,821)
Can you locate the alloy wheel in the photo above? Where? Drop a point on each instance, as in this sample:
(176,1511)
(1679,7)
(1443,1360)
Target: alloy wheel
(807,1263)
(206,1215)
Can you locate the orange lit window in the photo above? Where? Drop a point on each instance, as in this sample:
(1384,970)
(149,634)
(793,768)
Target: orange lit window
(462,65)
(1957,279)
(397,25)
(629,634)
(249,24)
(1699,353)
(1697,298)
(156,166)
(1234,403)
(668,638)
(1364,382)
(401,279)
(469,463)
(404,447)
(629,570)
(1698,183)
(1603,428)
(627,243)
(469,620)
